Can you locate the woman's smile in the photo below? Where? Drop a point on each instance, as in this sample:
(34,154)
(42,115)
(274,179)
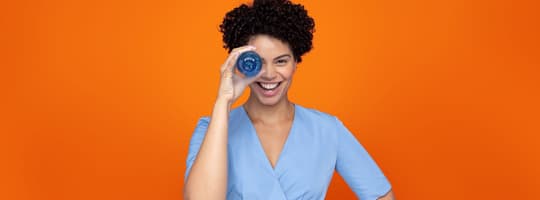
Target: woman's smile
(268,89)
(269,86)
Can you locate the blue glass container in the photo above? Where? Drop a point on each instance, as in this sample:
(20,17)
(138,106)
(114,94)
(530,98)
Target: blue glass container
(249,63)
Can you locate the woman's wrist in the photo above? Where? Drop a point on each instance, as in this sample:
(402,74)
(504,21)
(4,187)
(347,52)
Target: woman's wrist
(221,101)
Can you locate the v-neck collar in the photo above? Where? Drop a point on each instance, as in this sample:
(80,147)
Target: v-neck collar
(259,147)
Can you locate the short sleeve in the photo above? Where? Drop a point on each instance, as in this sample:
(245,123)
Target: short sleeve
(195,143)
(357,167)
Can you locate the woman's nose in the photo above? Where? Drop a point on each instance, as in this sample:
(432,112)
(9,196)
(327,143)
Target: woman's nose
(269,72)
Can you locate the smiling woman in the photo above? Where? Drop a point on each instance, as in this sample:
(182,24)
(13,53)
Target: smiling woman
(271,148)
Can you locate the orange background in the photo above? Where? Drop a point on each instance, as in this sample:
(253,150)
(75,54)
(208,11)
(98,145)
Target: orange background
(100,98)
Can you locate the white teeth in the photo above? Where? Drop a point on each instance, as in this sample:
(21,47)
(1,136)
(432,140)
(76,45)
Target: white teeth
(269,86)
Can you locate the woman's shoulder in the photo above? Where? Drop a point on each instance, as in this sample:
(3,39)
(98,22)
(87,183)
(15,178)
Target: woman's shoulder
(315,114)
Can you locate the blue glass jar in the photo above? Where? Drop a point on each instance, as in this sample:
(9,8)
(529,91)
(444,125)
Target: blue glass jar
(249,63)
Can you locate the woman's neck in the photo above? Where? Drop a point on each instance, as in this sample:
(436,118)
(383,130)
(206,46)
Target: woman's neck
(260,113)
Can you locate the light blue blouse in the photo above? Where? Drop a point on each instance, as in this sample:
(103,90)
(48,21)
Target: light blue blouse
(318,144)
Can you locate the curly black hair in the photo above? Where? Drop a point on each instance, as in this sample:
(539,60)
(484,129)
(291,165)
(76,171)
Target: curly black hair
(280,19)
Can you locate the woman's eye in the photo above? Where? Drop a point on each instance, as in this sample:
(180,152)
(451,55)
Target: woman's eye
(281,62)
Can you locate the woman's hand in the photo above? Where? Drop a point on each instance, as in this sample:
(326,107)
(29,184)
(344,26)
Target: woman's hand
(231,84)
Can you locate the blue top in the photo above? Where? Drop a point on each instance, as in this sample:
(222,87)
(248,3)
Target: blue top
(318,144)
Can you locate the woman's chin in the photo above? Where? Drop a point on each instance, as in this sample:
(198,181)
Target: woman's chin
(268,101)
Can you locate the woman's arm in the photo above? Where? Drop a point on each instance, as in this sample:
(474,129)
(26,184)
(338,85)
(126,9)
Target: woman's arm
(207,178)
(358,168)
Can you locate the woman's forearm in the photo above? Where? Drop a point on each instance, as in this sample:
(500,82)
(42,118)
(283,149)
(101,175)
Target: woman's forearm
(208,176)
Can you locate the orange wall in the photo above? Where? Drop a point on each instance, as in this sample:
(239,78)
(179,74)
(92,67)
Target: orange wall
(101,97)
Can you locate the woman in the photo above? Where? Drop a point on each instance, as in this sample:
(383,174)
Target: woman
(271,148)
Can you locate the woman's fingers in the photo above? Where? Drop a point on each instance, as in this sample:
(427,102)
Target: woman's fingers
(231,84)
(241,82)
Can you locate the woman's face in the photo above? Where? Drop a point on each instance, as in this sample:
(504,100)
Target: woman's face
(279,66)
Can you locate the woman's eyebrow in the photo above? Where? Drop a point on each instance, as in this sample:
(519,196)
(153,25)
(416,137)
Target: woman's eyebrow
(282,56)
